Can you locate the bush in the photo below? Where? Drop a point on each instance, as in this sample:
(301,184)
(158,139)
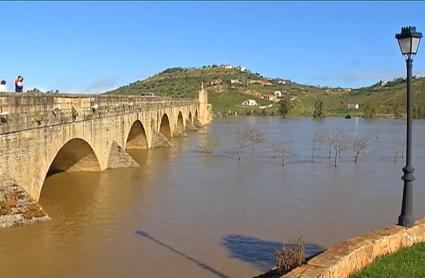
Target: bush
(290,256)
(419,111)
(369,111)
(285,106)
(319,110)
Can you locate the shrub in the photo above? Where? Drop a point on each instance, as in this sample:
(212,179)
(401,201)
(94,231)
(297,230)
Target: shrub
(285,106)
(369,111)
(290,256)
(319,110)
(74,113)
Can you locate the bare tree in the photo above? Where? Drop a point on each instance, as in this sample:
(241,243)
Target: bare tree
(318,138)
(281,151)
(207,145)
(328,138)
(241,142)
(360,144)
(340,143)
(400,147)
(255,137)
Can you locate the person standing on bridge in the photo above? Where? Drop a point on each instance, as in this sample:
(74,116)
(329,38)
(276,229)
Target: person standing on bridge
(3,87)
(19,87)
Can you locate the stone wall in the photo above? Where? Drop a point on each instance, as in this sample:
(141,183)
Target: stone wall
(353,255)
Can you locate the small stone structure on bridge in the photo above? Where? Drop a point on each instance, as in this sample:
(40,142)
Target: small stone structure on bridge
(41,134)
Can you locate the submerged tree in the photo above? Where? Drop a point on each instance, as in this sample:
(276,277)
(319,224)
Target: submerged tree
(285,106)
(340,143)
(318,138)
(319,110)
(281,151)
(208,144)
(241,142)
(400,147)
(328,138)
(255,137)
(360,144)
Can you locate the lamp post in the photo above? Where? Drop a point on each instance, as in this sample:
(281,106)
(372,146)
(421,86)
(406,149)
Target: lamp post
(408,41)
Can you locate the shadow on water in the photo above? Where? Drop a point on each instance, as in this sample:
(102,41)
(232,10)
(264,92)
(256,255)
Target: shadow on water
(172,249)
(258,252)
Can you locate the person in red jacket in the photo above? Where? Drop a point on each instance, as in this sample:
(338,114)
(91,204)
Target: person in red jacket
(19,87)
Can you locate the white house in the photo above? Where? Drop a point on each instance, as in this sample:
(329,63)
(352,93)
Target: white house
(283,82)
(227,66)
(250,102)
(277,94)
(241,68)
(235,81)
(265,106)
(353,106)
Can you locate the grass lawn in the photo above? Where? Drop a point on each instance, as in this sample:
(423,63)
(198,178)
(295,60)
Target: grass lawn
(407,262)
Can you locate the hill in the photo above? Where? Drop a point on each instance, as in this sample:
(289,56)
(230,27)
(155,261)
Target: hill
(229,86)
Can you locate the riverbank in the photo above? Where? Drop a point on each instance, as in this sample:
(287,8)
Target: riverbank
(352,255)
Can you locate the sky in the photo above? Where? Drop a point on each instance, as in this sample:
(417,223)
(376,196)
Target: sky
(96,46)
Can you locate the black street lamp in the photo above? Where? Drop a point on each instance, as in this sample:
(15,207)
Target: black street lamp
(409,41)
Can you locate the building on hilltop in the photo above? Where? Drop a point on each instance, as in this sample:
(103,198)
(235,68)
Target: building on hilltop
(277,94)
(241,68)
(216,82)
(226,66)
(250,102)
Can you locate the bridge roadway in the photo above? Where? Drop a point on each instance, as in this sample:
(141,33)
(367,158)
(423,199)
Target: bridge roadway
(41,134)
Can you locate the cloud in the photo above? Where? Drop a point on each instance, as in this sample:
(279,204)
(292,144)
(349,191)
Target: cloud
(103,84)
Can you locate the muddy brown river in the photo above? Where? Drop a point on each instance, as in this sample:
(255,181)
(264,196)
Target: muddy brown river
(184,213)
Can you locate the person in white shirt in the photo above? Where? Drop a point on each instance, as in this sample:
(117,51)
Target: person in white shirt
(3,87)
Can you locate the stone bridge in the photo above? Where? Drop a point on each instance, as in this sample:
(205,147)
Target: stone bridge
(41,134)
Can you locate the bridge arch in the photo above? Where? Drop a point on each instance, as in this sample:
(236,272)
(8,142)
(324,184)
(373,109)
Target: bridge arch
(190,117)
(180,122)
(74,155)
(136,138)
(164,127)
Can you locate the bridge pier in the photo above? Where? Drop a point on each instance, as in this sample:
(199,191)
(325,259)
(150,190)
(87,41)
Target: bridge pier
(119,158)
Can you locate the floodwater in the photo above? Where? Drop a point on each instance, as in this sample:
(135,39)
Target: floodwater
(189,214)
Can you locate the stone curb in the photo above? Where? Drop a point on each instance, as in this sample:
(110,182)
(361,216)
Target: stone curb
(354,254)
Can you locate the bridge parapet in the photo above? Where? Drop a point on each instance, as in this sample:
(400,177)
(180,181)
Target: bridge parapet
(20,112)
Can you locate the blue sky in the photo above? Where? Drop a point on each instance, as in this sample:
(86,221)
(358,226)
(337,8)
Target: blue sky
(95,46)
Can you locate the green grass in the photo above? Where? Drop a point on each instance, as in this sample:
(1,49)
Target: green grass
(407,262)
(225,97)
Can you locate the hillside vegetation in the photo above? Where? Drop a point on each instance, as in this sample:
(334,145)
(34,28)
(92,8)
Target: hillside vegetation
(229,87)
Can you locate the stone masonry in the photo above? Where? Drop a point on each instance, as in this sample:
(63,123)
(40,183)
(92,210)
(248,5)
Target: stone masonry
(44,133)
